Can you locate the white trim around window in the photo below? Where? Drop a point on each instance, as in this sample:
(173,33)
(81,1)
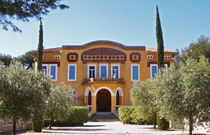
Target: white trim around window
(55,72)
(46,69)
(118,69)
(151,65)
(132,72)
(75,72)
(106,70)
(89,68)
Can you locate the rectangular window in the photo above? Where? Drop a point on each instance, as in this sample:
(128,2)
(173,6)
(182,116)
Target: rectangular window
(149,57)
(72,72)
(135,73)
(53,72)
(103,71)
(92,71)
(75,97)
(153,72)
(115,71)
(44,69)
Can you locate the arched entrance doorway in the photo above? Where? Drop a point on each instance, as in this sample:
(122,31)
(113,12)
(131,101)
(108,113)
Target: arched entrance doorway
(103,103)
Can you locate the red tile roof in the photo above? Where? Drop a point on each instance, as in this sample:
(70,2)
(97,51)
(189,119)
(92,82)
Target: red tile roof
(150,49)
(50,50)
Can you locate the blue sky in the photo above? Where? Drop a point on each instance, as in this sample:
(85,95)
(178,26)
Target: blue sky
(130,22)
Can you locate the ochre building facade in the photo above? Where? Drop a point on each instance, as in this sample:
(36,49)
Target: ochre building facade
(102,72)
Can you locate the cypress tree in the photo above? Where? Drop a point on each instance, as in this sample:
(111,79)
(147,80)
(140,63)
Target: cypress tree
(40,48)
(160,47)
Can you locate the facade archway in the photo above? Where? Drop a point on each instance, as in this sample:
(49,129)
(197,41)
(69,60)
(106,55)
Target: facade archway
(103,101)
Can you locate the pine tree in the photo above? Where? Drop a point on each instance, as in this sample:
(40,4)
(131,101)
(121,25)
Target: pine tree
(160,47)
(40,48)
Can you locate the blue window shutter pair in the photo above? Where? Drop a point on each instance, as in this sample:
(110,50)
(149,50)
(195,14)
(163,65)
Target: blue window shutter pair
(103,71)
(72,73)
(135,73)
(154,71)
(53,72)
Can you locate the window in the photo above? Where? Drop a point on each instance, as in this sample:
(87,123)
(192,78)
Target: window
(75,97)
(92,71)
(135,72)
(117,98)
(166,57)
(72,72)
(56,57)
(115,71)
(53,72)
(104,71)
(44,69)
(153,70)
(89,98)
(149,57)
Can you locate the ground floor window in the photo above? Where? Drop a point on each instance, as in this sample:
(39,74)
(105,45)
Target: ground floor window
(89,98)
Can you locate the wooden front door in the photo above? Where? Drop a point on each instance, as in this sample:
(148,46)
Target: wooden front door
(103,101)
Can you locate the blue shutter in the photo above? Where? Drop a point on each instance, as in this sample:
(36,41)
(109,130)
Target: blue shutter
(72,72)
(154,71)
(53,72)
(135,73)
(103,71)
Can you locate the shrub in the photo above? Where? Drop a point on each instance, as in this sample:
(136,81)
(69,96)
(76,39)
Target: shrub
(77,118)
(129,115)
(162,123)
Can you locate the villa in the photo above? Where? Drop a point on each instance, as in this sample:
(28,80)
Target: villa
(102,72)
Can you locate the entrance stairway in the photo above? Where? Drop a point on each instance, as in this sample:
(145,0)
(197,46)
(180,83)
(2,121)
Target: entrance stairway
(103,116)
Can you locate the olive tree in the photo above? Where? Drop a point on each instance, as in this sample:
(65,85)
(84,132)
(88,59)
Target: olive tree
(183,92)
(20,90)
(59,104)
(142,96)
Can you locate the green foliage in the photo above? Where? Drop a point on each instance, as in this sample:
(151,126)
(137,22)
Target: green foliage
(40,48)
(183,92)
(27,60)
(160,46)
(25,10)
(20,91)
(78,117)
(195,50)
(125,114)
(130,115)
(59,103)
(143,97)
(162,123)
(6,59)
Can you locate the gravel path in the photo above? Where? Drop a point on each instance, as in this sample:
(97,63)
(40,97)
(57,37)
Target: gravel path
(113,127)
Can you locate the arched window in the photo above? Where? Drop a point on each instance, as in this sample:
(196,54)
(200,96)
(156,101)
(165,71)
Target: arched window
(117,98)
(89,98)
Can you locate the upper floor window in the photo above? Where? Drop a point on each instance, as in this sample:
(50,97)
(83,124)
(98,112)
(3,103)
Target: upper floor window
(56,57)
(53,72)
(44,69)
(135,72)
(154,69)
(149,57)
(103,71)
(92,71)
(115,71)
(166,57)
(72,72)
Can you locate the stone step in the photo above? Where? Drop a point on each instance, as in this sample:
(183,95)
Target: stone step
(103,116)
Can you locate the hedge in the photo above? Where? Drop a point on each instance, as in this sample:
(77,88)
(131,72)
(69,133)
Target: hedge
(77,118)
(162,123)
(129,115)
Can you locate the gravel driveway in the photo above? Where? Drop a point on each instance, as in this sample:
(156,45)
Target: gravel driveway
(109,127)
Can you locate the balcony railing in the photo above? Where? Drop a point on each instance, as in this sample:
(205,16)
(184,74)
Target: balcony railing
(113,80)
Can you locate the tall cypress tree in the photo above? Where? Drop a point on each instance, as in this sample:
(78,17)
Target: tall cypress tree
(40,48)
(160,47)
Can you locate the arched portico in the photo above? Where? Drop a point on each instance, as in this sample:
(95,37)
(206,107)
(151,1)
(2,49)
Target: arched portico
(103,101)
